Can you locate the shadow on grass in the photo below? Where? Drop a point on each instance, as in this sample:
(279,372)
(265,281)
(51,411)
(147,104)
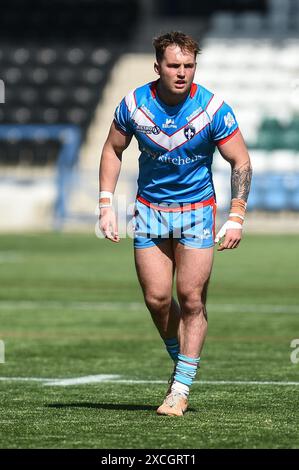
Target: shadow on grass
(107,406)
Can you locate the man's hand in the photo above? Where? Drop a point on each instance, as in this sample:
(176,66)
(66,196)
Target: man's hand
(232,231)
(108,224)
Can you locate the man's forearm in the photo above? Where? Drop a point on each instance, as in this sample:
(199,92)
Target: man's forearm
(109,169)
(240,181)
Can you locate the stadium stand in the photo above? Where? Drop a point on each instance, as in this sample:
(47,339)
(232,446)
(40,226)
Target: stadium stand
(55,60)
(56,56)
(254,67)
(66,63)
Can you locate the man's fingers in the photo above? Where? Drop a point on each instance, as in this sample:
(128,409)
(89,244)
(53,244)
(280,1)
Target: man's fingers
(109,229)
(222,246)
(116,237)
(113,236)
(229,244)
(220,234)
(225,246)
(107,232)
(236,244)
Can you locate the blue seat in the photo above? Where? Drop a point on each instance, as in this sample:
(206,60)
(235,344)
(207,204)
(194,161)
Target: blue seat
(255,195)
(291,183)
(275,194)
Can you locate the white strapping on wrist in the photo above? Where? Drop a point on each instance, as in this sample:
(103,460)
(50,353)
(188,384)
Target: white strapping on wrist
(105,199)
(235,214)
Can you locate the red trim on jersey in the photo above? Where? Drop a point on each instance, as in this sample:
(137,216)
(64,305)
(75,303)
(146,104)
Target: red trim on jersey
(222,141)
(214,219)
(209,101)
(154,88)
(193,90)
(181,208)
(120,129)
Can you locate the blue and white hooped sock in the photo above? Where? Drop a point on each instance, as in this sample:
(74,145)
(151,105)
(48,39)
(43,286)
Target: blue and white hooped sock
(185,373)
(173,348)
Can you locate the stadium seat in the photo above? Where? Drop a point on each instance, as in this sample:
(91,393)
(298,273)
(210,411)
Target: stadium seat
(275,197)
(294,194)
(55,63)
(45,56)
(255,200)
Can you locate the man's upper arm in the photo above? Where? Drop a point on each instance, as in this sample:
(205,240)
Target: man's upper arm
(117,141)
(227,136)
(234,150)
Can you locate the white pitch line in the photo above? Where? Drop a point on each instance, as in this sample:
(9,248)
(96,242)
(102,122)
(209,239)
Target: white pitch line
(136,306)
(24,379)
(65,382)
(89,379)
(116,379)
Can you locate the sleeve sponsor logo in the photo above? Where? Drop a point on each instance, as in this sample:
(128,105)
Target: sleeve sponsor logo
(229,120)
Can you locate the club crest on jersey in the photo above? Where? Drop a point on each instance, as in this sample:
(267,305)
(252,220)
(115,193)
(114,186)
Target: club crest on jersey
(189,132)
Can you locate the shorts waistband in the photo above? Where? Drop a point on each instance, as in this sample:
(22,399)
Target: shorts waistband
(177,207)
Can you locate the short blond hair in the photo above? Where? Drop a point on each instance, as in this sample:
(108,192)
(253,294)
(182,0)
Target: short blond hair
(185,42)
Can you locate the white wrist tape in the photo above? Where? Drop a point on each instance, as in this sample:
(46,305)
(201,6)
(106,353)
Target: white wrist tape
(105,195)
(235,214)
(228,224)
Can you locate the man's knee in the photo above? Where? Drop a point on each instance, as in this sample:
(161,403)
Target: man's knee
(157,301)
(191,302)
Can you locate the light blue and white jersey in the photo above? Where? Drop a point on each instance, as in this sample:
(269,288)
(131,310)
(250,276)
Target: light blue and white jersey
(176,142)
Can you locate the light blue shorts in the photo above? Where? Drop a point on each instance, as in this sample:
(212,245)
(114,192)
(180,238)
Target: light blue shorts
(192,225)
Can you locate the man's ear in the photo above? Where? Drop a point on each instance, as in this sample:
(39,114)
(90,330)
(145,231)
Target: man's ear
(157,68)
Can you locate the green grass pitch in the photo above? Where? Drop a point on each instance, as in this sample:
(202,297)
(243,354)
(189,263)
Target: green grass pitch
(70,306)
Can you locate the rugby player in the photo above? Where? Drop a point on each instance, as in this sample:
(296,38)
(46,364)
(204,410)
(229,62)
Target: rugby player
(178,124)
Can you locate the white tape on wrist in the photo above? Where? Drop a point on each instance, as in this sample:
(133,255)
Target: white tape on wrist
(105,195)
(228,224)
(235,214)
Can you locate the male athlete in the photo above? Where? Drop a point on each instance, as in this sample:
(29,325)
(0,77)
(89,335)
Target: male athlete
(177,124)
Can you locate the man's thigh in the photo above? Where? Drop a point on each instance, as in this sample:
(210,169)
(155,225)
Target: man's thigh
(193,267)
(155,267)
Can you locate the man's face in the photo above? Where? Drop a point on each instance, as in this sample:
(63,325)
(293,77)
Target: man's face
(176,70)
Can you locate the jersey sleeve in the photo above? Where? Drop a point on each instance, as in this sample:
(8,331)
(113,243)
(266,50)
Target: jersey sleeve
(122,118)
(224,124)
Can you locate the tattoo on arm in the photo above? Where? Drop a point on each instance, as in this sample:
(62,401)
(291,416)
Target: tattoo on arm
(240,181)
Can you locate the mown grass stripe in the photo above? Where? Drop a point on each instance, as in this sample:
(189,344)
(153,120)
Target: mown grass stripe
(116,379)
(135,306)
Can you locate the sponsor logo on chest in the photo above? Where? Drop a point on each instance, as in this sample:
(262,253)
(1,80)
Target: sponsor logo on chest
(147,111)
(148,129)
(195,113)
(169,124)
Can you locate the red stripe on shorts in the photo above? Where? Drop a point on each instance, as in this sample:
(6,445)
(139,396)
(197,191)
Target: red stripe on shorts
(182,208)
